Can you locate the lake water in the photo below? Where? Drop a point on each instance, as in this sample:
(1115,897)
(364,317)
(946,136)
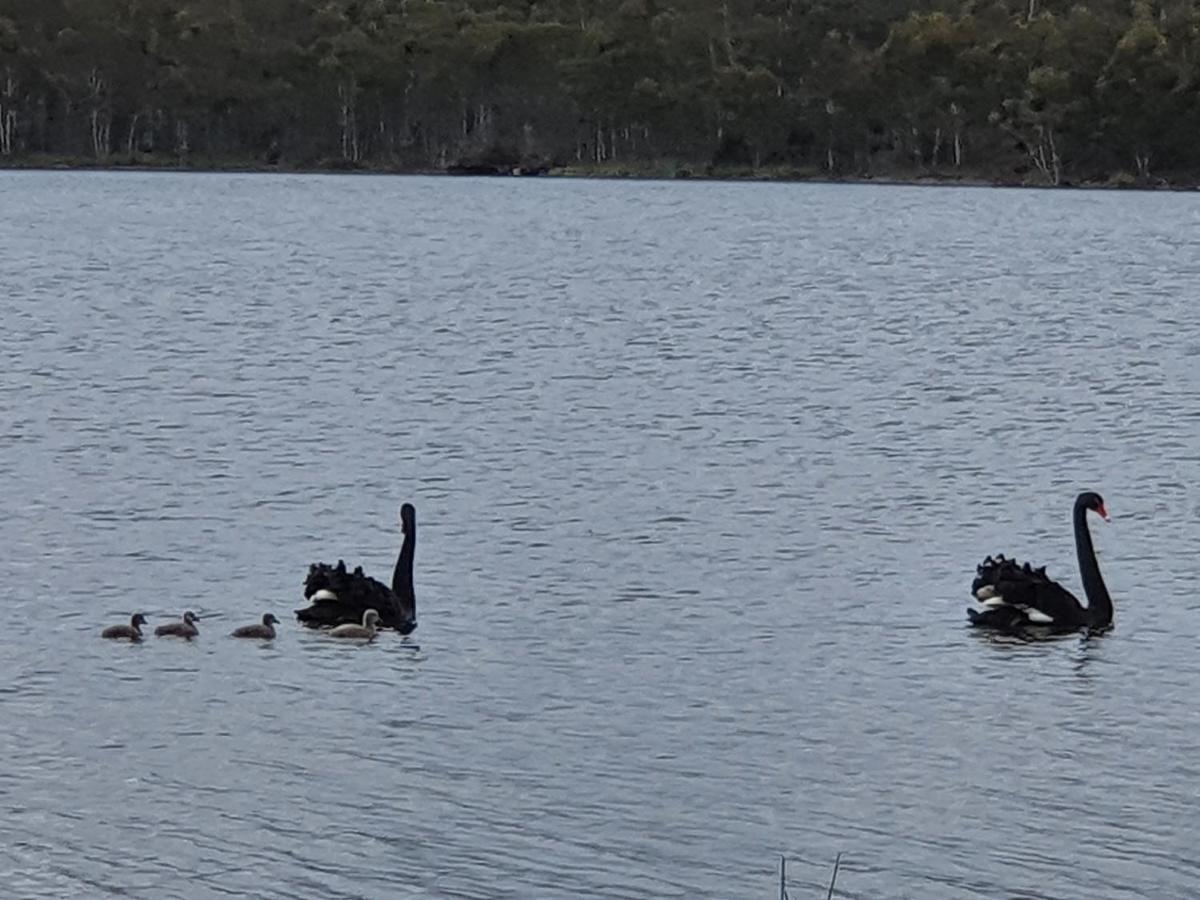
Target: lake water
(702,473)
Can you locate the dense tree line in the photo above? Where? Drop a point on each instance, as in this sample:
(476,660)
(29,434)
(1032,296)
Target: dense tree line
(1047,90)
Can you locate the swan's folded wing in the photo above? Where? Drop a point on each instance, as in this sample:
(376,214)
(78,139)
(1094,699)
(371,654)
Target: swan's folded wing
(1007,582)
(340,597)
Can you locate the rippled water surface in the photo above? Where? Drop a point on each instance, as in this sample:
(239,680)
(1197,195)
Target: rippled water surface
(702,472)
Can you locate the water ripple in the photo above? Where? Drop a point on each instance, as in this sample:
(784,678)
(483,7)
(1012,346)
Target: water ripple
(702,473)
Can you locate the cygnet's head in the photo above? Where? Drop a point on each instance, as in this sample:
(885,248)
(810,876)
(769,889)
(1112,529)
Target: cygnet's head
(370,617)
(269,619)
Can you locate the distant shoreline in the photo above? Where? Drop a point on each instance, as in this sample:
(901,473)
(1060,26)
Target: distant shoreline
(662,171)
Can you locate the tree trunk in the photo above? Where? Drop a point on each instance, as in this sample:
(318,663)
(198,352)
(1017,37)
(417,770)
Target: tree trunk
(727,37)
(99,118)
(830,109)
(131,137)
(8,113)
(100,133)
(1045,156)
(1040,148)
(1055,161)
(348,118)
(181,141)
(8,128)
(1141,159)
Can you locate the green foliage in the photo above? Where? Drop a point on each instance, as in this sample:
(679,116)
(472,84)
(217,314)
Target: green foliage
(1047,90)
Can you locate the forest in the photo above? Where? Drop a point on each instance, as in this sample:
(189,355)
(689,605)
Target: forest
(1011,91)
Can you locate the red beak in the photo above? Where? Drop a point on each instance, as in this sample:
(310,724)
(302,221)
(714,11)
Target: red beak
(1103,512)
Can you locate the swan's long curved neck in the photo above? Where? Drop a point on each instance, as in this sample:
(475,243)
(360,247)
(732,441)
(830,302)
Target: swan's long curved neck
(1100,608)
(402,577)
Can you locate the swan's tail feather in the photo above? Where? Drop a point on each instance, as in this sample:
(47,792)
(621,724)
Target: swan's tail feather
(1016,595)
(999,577)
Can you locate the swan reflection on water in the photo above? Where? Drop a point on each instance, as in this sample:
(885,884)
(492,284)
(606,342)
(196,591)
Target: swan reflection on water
(1085,649)
(1023,637)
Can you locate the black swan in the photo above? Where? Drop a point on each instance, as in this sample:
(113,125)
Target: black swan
(264,631)
(184,629)
(130,632)
(339,597)
(365,630)
(1018,596)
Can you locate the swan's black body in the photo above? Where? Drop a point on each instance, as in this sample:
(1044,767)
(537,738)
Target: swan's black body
(339,597)
(1019,597)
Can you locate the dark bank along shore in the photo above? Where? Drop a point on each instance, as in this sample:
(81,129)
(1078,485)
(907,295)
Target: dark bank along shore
(665,170)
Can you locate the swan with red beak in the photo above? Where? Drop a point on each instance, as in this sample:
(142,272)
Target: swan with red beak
(1015,596)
